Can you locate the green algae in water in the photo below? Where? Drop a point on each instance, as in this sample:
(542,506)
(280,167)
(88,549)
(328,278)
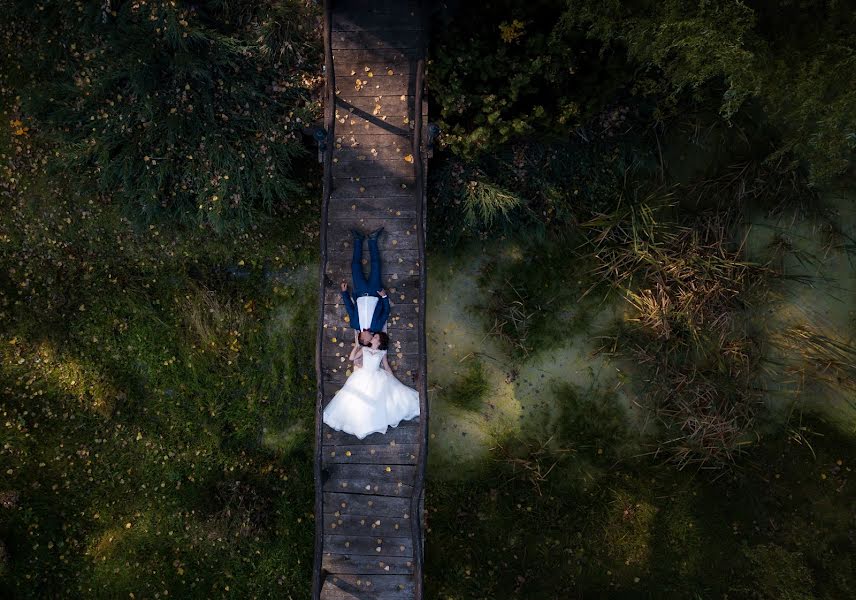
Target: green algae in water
(811,326)
(468,391)
(472,408)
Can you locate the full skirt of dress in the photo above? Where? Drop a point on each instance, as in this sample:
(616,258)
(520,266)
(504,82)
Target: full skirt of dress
(371,401)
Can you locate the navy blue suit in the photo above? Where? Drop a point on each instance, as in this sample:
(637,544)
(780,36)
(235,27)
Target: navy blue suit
(366,287)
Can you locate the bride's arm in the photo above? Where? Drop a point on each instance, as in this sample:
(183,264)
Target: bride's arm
(356,352)
(386,366)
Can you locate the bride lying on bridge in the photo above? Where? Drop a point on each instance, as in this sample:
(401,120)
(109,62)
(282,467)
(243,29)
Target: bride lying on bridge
(372,399)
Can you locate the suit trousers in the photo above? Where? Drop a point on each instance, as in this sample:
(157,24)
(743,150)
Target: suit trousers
(362,285)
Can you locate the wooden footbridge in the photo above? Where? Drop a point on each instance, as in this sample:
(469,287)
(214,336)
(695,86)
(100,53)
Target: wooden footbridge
(369,493)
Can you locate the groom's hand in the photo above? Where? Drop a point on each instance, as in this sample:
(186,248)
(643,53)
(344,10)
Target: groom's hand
(344,286)
(381,293)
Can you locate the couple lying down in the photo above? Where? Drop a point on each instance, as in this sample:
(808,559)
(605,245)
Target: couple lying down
(372,399)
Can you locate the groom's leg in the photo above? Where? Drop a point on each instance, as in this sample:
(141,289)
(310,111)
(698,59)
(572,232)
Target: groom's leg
(360,283)
(375,280)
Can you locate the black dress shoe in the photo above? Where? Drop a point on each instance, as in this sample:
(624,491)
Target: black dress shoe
(376,233)
(358,235)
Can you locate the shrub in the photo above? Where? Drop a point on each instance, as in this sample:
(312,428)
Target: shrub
(186,111)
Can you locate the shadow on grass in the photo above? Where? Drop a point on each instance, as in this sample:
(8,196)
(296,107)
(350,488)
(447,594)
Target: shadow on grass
(564,519)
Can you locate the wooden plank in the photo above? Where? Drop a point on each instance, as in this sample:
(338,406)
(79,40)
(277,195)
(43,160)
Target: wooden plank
(379,479)
(358,122)
(388,104)
(399,207)
(392,230)
(381,140)
(369,545)
(375,22)
(366,525)
(352,86)
(404,260)
(345,563)
(381,54)
(396,236)
(373,63)
(379,127)
(399,102)
(406,433)
(338,266)
(397,454)
(342,223)
(395,167)
(342,586)
(365,150)
(339,503)
(370,187)
(353,123)
(394,283)
(401,38)
(377,6)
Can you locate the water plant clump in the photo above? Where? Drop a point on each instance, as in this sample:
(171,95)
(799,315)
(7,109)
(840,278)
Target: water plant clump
(686,289)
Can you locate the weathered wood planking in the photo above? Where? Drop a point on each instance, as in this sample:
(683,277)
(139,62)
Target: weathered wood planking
(362,526)
(393,454)
(361,20)
(367,187)
(368,545)
(368,541)
(405,433)
(390,38)
(353,564)
(347,585)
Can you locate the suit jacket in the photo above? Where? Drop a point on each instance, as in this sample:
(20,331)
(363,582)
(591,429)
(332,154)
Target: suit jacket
(381,313)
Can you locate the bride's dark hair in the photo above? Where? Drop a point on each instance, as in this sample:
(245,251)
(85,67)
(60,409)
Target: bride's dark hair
(384,340)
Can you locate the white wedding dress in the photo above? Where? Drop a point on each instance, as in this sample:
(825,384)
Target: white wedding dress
(371,400)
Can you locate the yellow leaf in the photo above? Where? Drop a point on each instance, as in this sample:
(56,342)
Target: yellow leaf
(408,158)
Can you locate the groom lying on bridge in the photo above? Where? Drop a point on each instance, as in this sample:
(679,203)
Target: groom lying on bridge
(369,309)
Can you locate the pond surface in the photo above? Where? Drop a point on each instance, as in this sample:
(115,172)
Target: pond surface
(820,300)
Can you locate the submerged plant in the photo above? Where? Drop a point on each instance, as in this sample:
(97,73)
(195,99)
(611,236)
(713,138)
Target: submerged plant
(687,289)
(820,359)
(469,390)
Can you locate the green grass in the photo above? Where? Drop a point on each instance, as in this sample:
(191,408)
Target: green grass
(632,527)
(143,386)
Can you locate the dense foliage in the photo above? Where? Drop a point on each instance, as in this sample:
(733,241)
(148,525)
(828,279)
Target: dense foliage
(508,69)
(188,111)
